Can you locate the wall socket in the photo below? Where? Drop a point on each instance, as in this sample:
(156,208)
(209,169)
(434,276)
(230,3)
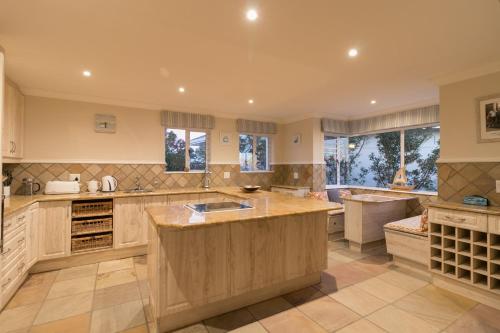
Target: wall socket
(227,174)
(295,175)
(74,177)
(498,186)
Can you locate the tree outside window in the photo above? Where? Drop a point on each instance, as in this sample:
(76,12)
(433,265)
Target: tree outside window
(254,159)
(176,146)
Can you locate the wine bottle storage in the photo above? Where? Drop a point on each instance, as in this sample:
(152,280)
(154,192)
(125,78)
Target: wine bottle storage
(470,256)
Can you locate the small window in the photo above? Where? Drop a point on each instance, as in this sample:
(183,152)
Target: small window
(178,142)
(254,152)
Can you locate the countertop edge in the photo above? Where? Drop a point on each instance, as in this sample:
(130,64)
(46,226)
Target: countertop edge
(490,210)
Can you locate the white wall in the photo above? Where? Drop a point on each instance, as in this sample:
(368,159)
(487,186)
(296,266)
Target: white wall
(459,120)
(310,150)
(63,131)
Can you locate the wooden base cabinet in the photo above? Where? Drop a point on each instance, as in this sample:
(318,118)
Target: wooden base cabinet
(54,229)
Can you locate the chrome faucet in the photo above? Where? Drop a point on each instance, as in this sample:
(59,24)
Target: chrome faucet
(206,179)
(138,186)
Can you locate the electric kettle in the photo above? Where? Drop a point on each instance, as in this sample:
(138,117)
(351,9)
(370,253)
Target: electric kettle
(109,184)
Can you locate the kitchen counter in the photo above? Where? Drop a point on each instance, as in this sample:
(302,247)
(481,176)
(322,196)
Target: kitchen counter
(292,187)
(466,208)
(265,205)
(374,198)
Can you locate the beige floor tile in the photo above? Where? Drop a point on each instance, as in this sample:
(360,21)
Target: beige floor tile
(331,315)
(341,276)
(75,324)
(138,329)
(122,293)
(72,287)
(18,318)
(481,319)
(35,280)
(115,278)
(335,259)
(361,326)
(382,290)
(29,295)
(303,296)
(64,307)
(251,328)
(436,306)
(270,307)
(376,264)
(229,321)
(117,318)
(195,328)
(291,321)
(358,300)
(115,265)
(395,320)
(77,272)
(403,281)
(338,244)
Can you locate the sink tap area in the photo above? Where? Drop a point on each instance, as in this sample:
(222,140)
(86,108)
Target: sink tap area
(218,206)
(138,187)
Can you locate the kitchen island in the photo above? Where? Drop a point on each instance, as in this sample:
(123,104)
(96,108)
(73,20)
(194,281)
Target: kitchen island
(204,264)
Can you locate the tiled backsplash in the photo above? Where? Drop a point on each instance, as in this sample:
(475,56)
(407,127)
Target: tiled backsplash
(153,175)
(456,180)
(150,175)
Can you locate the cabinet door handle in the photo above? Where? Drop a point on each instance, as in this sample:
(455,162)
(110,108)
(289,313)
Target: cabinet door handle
(15,146)
(454,219)
(8,225)
(6,251)
(11,147)
(20,218)
(20,241)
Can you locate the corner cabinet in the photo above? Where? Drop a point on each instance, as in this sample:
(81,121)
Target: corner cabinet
(54,230)
(13,122)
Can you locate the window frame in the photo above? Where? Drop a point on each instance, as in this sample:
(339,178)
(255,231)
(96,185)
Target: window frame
(402,162)
(187,157)
(254,152)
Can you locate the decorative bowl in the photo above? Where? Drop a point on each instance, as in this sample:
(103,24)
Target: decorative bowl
(250,188)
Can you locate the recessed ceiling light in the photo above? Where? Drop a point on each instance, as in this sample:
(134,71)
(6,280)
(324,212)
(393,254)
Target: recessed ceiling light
(182,90)
(250,101)
(87,73)
(373,101)
(353,53)
(252,14)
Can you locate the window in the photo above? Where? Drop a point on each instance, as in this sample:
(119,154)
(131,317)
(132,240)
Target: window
(177,142)
(254,159)
(373,160)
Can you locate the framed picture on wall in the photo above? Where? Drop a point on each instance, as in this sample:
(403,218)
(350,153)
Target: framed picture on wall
(296,139)
(225,138)
(489,118)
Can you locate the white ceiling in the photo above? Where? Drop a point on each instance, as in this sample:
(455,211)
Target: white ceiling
(292,61)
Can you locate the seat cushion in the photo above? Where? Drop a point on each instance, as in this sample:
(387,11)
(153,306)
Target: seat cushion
(411,225)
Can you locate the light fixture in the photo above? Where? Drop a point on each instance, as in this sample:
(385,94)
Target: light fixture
(252,14)
(87,73)
(353,53)
(352,145)
(373,101)
(182,90)
(250,101)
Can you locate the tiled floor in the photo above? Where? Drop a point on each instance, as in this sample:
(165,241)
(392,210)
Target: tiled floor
(358,293)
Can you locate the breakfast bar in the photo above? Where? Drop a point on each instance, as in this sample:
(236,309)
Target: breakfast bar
(252,248)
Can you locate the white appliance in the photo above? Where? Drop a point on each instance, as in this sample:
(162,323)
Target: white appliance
(62,187)
(109,184)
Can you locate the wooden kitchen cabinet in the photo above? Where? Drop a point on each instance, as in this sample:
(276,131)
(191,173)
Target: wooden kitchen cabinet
(150,201)
(13,122)
(128,222)
(32,235)
(54,230)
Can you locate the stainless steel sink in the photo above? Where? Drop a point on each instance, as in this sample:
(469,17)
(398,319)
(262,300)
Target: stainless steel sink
(139,190)
(217,206)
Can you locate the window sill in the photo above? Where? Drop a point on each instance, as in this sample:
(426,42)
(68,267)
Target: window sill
(429,193)
(258,171)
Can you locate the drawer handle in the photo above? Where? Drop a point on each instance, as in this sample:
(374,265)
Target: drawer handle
(20,218)
(8,225)
(20,268)
(6,283)
(7,251)
(20,241)
(455,219)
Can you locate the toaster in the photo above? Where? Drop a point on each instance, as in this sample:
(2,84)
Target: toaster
(62,187)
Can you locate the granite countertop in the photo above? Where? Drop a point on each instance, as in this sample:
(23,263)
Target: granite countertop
(466,208)
(292,187)
(16,202)
(374,198)
(265,205)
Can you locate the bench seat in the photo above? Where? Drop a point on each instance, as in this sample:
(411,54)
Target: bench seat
(407,243)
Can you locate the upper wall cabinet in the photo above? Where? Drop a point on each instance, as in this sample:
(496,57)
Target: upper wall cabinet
(13,122)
